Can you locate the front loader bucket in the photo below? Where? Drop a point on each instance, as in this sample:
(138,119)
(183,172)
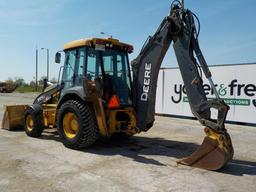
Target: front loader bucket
(13,117)
(215,151)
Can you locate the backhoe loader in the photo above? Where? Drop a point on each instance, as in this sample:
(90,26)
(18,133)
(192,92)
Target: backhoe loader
(98,97)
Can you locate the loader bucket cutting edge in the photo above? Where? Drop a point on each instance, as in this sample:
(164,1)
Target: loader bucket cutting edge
(13,117)
(215,151)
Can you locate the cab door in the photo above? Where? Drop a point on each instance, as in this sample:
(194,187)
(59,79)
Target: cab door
(68,77)
(73,68)
(80,66)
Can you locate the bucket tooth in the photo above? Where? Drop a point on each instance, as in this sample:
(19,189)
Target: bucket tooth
(215,151)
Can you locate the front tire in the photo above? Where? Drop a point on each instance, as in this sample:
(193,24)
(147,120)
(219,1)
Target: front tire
(76,124)
(33,123)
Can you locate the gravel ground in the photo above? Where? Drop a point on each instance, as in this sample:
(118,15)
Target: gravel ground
(146,162)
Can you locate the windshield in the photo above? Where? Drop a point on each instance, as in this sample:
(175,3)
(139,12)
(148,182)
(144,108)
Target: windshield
(113,68)
(116,68)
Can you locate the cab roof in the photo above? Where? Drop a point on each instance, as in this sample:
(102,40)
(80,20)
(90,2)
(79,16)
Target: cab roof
(108,43)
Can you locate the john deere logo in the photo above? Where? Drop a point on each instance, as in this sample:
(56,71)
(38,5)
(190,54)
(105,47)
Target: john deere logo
(233,89)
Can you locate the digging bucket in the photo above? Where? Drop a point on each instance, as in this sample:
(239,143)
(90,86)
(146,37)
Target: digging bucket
(215,151)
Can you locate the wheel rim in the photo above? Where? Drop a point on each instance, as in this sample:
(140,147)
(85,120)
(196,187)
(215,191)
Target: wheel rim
(30,123)
(70,125)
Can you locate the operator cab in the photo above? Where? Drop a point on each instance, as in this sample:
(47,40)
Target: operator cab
(102,59)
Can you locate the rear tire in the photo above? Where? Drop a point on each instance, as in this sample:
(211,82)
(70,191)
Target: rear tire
(33,123)
(76,124)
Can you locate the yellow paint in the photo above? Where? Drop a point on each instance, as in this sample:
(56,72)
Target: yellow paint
(92,41)
(220,138)
(14,116)
(116,126)
(100,116)
(29,123)
(70,125)
(49,115)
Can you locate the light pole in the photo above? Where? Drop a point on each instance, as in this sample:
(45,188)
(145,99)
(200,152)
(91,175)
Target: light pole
(36,68)
(103,33)
(47,62)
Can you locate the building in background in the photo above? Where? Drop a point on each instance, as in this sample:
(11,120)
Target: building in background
(236,84)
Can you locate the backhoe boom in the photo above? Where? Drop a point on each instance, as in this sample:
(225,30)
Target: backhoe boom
(179,28)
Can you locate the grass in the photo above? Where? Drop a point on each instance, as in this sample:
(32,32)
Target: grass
(27,89)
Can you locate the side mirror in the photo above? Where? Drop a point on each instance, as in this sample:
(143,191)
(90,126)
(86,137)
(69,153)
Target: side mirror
(57,57)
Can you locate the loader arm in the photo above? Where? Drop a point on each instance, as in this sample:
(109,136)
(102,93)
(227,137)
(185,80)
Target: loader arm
(178,28)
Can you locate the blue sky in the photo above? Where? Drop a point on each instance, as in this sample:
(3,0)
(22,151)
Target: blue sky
(228,29)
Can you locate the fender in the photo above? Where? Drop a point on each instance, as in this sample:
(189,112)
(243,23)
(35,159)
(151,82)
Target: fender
(73,93)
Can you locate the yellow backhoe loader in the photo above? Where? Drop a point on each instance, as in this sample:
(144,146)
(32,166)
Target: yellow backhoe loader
(98,97)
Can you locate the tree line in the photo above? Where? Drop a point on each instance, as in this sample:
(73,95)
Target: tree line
(19,81)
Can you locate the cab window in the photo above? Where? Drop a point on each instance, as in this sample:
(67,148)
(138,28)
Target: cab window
(93,64)
(69,69)
(80,66)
